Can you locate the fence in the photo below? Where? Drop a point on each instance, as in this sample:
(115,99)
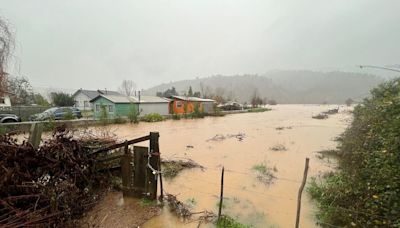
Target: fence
(23,111)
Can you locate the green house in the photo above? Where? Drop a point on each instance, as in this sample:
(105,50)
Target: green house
(112,106)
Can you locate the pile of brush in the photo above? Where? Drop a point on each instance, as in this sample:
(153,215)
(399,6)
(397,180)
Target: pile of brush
(47,186)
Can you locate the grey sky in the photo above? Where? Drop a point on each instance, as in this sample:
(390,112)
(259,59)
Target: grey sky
(98,43)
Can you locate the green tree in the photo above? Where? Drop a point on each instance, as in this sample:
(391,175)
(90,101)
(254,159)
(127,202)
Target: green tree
(40,100)
(190,92)
(62,99)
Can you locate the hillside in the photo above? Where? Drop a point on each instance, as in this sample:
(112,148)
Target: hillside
(305,87)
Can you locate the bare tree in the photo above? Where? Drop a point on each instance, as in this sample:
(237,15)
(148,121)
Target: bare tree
(127,87)
(6,47)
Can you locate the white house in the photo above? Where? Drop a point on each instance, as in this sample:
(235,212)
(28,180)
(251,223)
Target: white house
(82,97)
(152,104)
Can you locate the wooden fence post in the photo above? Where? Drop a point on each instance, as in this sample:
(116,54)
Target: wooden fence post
(152,169)
(140,169)
(126,171)
(300,192)
(35,134)
(222,194)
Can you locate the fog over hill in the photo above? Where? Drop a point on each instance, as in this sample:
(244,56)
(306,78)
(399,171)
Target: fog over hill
(304,87)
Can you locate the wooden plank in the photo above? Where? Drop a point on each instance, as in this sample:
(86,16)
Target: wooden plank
(140,166)
(153,174)
(119,145)
(35,134)
(126,173)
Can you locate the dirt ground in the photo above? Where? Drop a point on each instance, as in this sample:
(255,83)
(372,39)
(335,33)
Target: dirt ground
(115,211)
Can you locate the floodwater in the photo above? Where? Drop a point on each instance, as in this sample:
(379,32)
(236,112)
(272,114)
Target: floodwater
(245,197)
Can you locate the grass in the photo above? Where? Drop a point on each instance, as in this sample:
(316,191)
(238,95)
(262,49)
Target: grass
(228,222)
(265,174)
(144,202)
(152,117)
(258,110)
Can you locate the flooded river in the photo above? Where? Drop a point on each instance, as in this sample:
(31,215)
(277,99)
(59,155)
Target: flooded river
(246,198)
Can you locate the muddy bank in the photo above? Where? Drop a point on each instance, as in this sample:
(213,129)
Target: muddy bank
(248,199)
(116,211)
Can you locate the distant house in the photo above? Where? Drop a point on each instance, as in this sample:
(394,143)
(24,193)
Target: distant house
(183,104)
(82,97)
(122,106)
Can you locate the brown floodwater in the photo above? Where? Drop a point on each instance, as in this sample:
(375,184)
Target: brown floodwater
(245,197)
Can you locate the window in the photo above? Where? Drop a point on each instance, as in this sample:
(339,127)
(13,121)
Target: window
(179,104)
(97,108)
(110,108)
(86,104)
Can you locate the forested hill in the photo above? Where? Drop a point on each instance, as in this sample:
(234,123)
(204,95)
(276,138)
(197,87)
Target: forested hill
(305,87)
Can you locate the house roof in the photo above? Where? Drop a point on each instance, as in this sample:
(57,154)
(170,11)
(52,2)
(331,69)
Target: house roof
(125,99)
(195,99)
(94,93)
(151,99)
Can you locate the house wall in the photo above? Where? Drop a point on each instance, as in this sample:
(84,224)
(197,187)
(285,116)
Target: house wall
(124,109)
(160,108)
(208,107)
(82,102)
(178,106)
(110,108)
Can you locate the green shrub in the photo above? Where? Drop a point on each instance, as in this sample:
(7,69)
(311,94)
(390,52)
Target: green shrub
(119,120)
(152,117)
(228,222)
(69,115)
(365,191)
(133,114)
(49,125)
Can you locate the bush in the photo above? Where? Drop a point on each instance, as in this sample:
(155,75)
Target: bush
(229,222)
(259,109)
(133,115)
(152,117)
(365,191)
(69,115)
(119,120)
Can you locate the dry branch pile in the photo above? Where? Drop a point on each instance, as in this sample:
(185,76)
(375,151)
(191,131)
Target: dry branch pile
(46,186)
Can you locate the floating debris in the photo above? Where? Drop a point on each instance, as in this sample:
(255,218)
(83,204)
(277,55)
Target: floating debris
(171,168)
(278,147)
(320,116)
(219,137)
(239,136)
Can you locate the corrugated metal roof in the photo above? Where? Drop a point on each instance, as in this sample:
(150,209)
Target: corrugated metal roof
(94,93)
(184,98)
(151,99)
(126,99)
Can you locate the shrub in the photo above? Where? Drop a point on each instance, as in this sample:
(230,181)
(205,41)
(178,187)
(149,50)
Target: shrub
(133,114)
(365,191)
(69,115)
(229,222)
(152,117)
(119,120)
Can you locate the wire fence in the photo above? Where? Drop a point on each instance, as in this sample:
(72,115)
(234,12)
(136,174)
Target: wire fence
(264,194)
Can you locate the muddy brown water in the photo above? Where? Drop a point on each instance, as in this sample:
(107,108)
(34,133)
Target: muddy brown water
(246,198)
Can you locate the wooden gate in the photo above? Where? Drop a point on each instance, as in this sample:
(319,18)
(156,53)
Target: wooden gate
(140,166)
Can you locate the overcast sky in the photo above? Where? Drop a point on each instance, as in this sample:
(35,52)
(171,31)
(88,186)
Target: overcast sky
(98,43)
